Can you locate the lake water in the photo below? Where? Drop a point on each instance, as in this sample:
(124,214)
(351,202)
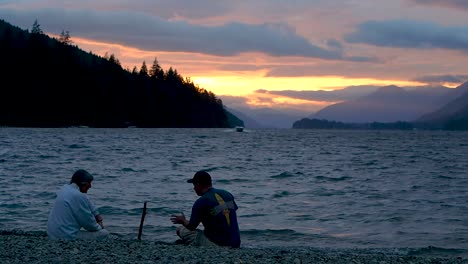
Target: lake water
(317,188)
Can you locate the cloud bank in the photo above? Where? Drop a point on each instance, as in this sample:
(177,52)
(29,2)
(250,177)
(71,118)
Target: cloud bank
(410,34)
(147,32)
(440,79)
(456,4)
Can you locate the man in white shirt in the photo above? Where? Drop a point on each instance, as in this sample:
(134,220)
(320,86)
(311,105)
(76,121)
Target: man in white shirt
(73,210)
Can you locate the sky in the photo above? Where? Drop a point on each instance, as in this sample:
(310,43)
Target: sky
(268,53)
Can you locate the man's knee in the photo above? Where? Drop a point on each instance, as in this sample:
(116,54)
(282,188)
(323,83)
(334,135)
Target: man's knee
(103,234)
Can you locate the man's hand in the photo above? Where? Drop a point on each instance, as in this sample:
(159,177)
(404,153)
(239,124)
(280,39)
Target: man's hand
(179,219)
(99,220)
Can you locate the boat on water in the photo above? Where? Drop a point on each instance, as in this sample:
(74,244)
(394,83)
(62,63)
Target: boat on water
(239,128)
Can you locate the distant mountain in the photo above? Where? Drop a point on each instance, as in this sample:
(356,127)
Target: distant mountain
(248,122)
(339,95)
(453,111)
(233,119)
(266,117)
(386,104)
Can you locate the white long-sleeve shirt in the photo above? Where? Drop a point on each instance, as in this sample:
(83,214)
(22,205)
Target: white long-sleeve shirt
(71,211)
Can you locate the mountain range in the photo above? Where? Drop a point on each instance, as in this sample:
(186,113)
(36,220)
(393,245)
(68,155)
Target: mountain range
(388,104)
(393,107)
(454,111)
(426,106)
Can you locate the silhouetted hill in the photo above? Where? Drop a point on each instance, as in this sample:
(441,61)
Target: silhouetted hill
(387,104)
(271,118)
(453,115)
(51,83)
(248,122)
(307,123)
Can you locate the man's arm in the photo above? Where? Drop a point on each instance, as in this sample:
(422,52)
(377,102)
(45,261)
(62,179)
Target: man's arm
(83,214)
(191,225)
(95,212)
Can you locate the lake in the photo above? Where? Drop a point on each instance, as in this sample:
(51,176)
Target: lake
(315,188)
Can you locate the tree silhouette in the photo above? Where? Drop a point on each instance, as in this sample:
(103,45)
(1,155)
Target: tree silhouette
(65,38)
(36,28)
(113,59)
(102,95)
(143,69)
(156,72)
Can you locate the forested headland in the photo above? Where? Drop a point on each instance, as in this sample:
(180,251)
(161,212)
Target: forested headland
(49,82)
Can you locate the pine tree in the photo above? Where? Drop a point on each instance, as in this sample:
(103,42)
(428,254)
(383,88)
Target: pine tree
(36,28)
(65,37)
(156,70)
(113,59)
(144,69)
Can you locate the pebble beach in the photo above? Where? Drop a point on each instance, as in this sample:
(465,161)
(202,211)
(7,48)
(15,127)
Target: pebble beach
(31,247)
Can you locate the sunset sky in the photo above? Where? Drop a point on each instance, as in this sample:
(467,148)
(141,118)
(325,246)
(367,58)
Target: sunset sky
(255,52)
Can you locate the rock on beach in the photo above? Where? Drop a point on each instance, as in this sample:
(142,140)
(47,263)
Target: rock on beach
(30,247)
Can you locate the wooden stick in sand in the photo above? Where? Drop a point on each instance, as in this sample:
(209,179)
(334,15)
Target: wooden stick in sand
(140,230)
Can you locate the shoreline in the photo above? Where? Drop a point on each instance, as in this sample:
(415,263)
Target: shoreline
(35,247)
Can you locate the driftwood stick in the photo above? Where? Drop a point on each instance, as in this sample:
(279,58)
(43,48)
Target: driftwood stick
(140,230)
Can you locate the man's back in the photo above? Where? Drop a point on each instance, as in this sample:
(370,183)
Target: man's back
(216,209)
(71,211)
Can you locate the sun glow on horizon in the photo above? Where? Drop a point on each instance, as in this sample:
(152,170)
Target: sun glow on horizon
(246,84)
(283,102)
(241,76)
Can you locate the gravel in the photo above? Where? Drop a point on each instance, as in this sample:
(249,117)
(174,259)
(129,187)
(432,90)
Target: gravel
(32,247)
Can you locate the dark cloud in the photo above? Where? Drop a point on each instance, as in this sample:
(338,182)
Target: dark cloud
(334,44)
(441,79)
(174,9)
(154,33)
(327,69)
(410,34)
(182,8)
(457,4)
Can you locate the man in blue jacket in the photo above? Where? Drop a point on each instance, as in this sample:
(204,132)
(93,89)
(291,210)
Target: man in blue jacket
(216,210)
(73,211)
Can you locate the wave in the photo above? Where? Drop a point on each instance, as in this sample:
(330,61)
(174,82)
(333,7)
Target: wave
(13,206)
(281,194)
(332,179)
(77,146)
(283,175)
(274,234)
(224,181)
(445,177)
(110,210)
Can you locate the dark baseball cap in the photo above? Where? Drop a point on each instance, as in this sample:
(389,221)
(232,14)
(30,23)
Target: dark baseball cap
(201,177)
